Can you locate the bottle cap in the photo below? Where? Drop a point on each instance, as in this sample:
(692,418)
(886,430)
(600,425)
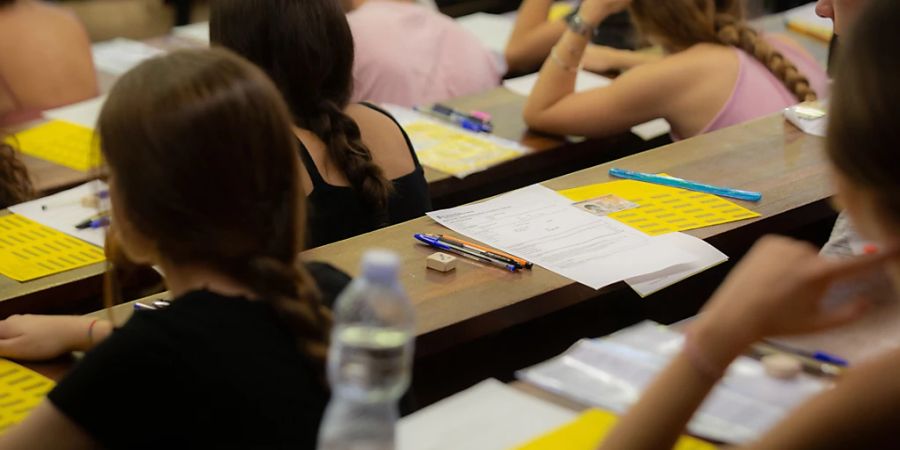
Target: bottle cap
(380,266)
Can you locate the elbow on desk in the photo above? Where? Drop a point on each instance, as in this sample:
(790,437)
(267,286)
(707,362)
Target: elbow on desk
(537,120)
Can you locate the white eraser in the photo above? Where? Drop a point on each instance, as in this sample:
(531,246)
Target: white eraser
(441,262)
(781,366)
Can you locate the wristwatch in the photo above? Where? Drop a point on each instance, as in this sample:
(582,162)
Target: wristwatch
(579,26)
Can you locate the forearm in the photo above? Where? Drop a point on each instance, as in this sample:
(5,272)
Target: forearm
(627,59)
(533,36)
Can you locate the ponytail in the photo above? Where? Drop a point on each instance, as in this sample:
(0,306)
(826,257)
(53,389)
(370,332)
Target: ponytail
(343,141)
(738,34)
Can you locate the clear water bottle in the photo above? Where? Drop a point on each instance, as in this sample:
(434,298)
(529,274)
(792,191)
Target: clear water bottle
(370,358)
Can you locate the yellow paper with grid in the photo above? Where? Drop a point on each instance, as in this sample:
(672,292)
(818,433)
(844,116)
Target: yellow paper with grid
(60,142)
(588,431)
(455,152)
(664,209)
(20,391)
(29,250)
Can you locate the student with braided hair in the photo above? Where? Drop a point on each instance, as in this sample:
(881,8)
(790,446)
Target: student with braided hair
(719,72)
(15,184)
(204,183)
(361,170)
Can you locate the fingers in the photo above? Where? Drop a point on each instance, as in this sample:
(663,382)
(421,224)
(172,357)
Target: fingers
(837,269)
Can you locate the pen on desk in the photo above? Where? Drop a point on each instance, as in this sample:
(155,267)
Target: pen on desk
(462,122)
(433,241)
(477,117)
(96,221)
(506,257)
(817,355)
(685,184)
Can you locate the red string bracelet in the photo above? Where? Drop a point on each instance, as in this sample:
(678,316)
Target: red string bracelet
(90,332)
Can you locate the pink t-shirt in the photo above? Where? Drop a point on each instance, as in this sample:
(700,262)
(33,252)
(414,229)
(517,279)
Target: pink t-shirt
(408,54)
(757,92)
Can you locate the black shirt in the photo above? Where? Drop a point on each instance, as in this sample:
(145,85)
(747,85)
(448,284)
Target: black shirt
(337,212)
(207,372)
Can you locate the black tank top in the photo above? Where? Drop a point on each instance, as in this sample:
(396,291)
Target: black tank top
(335,213)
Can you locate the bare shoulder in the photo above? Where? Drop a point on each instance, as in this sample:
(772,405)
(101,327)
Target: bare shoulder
(684,68)
(384,138)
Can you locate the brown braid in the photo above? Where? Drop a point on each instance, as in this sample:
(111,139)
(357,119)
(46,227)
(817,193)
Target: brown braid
(738,34)
(15,185)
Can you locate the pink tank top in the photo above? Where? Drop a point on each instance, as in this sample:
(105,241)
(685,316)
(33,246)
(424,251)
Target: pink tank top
(757,92)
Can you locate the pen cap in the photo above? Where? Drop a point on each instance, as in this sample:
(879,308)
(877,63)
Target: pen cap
(380,266)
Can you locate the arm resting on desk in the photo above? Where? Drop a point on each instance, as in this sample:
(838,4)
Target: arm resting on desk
(740,313)
(37,337)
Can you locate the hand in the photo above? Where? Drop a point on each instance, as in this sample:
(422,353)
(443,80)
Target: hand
(36,337)
(594,11)
(777,290)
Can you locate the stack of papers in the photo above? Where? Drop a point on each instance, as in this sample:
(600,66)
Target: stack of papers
(611,373)
(452,149)
(120,55)
(21,390)
(487,416)
(538,224)
(584,82)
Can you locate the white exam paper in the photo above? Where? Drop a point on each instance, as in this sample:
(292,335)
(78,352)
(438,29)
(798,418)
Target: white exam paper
(196,31)
(491,29)
(538,224)
(815,127)
(584,82)
(487,416)
(120,55)
(82,113)
(64,211)
(706,256)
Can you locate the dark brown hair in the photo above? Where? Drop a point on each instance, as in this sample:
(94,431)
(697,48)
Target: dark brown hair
(198,144)
(684,23)
(306,47)
(15,185)
(863,136)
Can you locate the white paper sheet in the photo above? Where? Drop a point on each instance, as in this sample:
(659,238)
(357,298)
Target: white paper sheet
(538,224)
(491,29)
(196,32)
(120,55)
(82,113)
(586,81)
(487,416)
(706,256)
(815,127)
(64,211)
(613,372)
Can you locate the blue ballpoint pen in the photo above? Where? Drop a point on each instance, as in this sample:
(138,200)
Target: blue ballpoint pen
(435,242)
(685,184)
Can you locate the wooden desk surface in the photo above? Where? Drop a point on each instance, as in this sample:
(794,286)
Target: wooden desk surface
(766,155)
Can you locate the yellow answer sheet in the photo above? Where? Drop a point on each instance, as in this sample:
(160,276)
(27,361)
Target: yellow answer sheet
(663,209)
(455,152)
(588,431)
(60,142)
(20,391)
(29,250)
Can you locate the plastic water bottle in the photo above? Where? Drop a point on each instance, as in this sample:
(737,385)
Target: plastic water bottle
(370,358)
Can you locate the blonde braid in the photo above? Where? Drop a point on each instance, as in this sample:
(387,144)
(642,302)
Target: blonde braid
(738,34)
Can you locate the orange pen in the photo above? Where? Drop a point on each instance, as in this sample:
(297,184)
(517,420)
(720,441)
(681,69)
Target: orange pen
(521,262)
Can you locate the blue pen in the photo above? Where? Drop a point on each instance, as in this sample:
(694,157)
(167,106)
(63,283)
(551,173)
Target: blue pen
(685,184)
(462,121)
(830,359)
(433,241)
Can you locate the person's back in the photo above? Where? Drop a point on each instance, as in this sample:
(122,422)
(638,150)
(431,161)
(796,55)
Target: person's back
(408,54)
(336,211)
(361,170)
(45,60)
(757,92)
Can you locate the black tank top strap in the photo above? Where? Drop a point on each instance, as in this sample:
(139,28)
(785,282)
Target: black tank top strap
(310,165)
(409,145)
